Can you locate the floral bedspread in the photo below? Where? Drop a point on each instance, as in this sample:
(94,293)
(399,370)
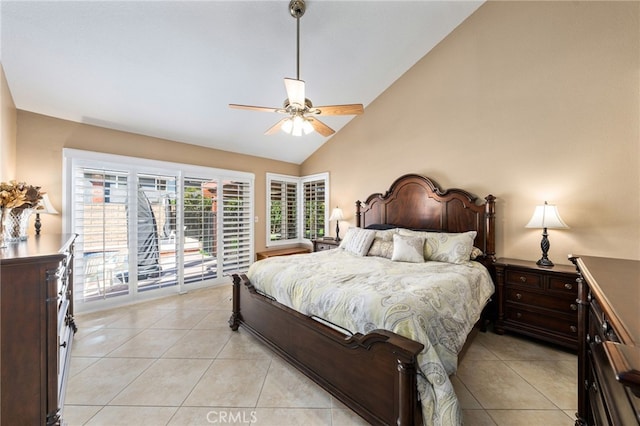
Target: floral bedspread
(434,303)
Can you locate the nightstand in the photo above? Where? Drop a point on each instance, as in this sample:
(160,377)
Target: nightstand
(322,244)
(537,302)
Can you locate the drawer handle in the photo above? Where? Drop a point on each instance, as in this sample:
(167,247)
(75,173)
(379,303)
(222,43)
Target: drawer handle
(568,286)
(588,338)
(574,307)
(523,279)
(518,296)
(518,315)
(597,339)
(605,327)
(573,328)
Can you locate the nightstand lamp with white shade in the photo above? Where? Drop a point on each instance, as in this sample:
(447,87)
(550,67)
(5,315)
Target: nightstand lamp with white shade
(44,207)
(337,215)
(546,217)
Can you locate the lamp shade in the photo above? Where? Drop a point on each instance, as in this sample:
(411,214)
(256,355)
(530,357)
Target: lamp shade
(46,205)
(336,214)
(546,216)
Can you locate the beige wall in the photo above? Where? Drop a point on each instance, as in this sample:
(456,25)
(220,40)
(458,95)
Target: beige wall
(42,138)
(529,101)
(8,118)
(535,101)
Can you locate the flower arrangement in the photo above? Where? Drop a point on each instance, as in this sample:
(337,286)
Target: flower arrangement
(19,195)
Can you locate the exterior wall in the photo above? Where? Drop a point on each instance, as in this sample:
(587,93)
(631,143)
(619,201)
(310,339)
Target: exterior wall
(528,101)
(8,120)
(42,138)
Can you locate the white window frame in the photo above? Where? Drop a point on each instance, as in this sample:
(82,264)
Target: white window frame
(299,181)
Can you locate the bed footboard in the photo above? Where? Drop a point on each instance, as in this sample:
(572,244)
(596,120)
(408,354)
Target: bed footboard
(373,374)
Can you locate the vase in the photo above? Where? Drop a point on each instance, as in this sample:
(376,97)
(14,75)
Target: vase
(16,223)
(3,214)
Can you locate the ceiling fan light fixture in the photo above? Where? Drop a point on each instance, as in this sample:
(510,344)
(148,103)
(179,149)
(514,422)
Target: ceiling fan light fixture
(296,126)
(287,125)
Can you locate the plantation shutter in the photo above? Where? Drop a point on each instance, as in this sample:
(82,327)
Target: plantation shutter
(99,217)
(237,226)
(284,210)
(314,208)
(199,209)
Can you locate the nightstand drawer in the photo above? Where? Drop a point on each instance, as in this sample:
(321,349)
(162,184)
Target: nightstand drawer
(542,320)
(523,278)
(324,246)
(565,285)
(562,304)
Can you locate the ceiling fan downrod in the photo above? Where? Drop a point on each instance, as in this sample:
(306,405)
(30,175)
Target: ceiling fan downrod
(297,9)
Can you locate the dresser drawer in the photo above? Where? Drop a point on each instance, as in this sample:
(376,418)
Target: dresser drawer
(621,405)
(523,278)
(565,304)
(541,319)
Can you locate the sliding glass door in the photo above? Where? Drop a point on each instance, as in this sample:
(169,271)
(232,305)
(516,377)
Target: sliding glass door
(146,228)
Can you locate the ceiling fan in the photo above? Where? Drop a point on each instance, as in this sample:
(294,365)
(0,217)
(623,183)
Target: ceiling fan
(300,112)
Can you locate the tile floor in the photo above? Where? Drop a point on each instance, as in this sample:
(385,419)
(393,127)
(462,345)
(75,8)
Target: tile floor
(175,361)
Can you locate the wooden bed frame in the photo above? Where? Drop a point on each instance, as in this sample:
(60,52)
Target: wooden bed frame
(373,374)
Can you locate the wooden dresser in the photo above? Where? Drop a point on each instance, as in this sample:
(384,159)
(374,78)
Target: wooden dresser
(538,302)
(609,341)
(36,290)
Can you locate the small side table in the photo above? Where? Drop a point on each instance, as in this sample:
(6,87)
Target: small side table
(322,244)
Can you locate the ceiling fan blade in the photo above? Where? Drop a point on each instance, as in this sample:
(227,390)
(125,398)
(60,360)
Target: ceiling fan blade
(276,127)
(255,108)
(348,109)
(320,127)
(295,91)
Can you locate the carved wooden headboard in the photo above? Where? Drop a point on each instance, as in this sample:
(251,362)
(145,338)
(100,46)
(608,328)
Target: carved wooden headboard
(417,202)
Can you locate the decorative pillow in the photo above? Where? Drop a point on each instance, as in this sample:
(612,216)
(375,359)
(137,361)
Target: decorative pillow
(381,248)
(445,246)
(358,241)
(408,249)
(450,248)
(475,253)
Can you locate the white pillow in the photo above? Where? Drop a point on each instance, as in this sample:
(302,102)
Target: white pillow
(408,249)
(358,240)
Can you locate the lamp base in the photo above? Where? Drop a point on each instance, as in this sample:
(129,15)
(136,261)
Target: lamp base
(545,263)
(544,245)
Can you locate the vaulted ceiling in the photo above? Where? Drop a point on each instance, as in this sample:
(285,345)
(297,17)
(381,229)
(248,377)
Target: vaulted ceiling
(169,69)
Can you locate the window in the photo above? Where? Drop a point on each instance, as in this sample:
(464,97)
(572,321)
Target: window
(296,208)
(147,226)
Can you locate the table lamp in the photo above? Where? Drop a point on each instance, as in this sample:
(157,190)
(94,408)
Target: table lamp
(45,207)
(546,217)
(337,215)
